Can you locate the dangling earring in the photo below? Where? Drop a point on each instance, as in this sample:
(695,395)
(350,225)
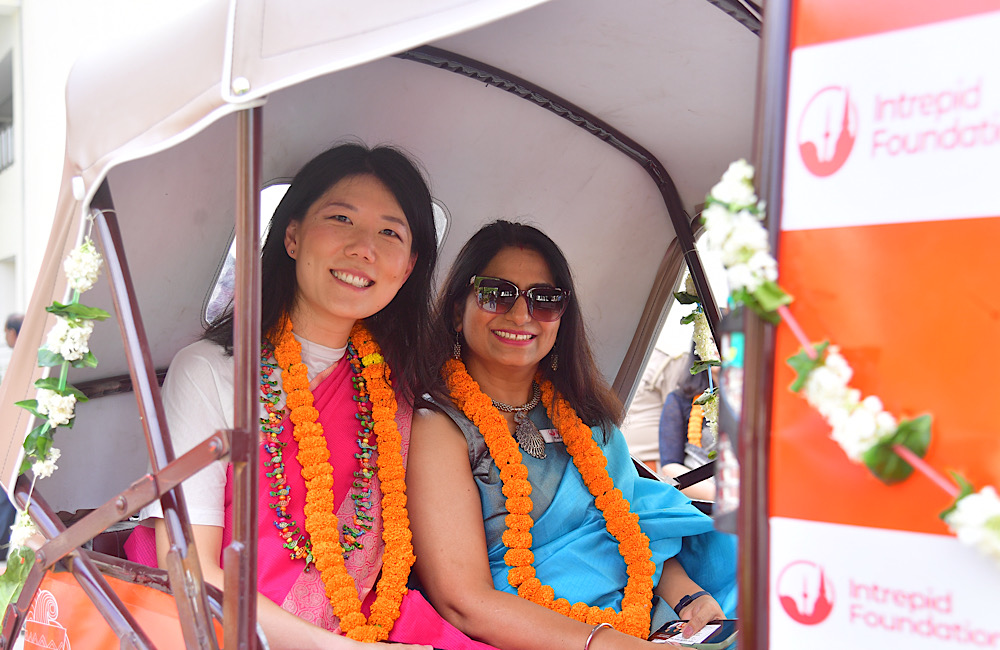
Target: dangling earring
(555,362)
(456,351)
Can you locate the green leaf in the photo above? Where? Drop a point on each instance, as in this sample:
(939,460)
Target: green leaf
(86,361)
(744,298)
(689,318)
(706,396)
(26,464)
(889,467)
(964,489)
(19,563)
(770,296)
(32,440)
(47,358)
(31,406)
(701,365)
(804,365)
(686,298)
(52,383)
(77,311)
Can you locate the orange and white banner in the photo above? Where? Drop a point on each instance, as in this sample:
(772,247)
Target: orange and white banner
(889,240)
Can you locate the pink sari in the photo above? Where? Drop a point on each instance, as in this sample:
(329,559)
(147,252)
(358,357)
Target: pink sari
(286,581)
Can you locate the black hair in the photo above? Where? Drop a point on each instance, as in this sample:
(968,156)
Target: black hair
(14,322)
(403,327)
(577,378)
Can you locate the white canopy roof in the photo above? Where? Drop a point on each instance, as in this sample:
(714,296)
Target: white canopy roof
(154,118)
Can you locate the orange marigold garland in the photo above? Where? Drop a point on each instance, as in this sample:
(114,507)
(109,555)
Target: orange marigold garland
(695,422)
(592,465)
(320,518)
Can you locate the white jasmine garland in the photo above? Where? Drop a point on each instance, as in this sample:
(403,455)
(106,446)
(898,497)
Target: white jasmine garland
(82,266)
(710,410)
(22,530)
(976,521)
(57,408)
(45,468)
(689,285)
(704,343)
(861,428)
(70,338)
(736,186)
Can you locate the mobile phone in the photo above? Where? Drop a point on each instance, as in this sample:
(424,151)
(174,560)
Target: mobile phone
(714,636)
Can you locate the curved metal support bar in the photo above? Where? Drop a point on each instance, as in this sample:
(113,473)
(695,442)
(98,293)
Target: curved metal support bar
(182,557)
(747,13)
(600,129)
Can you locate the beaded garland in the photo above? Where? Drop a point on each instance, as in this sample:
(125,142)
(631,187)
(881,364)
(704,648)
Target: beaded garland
(296,542)
(320,518)
(588,458)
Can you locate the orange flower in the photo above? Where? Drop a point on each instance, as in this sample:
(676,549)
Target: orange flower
(592,464)
(320,522)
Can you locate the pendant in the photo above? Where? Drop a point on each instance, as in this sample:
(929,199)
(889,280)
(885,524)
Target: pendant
(528,437)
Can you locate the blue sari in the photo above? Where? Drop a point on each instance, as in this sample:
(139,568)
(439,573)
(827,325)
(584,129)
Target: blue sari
(574,552)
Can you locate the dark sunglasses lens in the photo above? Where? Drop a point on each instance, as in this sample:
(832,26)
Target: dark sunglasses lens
(495,295)
(547,303)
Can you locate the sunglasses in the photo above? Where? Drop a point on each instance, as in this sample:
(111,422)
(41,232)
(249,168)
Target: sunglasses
(497,296)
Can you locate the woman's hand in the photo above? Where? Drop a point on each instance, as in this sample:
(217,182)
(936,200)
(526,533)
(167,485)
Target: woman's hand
(700,612)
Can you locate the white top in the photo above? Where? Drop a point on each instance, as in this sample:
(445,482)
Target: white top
(198,401)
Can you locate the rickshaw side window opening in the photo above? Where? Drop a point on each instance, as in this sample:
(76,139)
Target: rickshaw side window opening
(221,295)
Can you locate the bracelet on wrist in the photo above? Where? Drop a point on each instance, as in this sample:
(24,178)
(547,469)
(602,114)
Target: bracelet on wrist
(687,600)
(586,646)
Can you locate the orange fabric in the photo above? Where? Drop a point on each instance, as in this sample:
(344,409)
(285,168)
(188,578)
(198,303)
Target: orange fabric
(821,21)
(915,310)
(62,616)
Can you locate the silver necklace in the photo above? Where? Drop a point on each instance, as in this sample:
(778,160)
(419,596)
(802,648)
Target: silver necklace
(528,437)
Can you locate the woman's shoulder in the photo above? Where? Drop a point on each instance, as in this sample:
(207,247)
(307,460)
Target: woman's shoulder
(201,352)
(199,364)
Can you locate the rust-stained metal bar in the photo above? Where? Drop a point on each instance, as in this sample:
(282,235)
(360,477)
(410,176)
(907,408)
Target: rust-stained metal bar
(753,523)
(182,558)
(240,597)
(104,598)
(141,493)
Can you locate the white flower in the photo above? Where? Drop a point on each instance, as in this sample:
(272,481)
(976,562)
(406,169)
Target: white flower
(826,387)
(746,237)
(58,408)
(861,428)
(976,521)
(22,530)
(736,186)
(710,409)
(45,468)
(70,338)
(689,285)
(82,266)
(718,222)
(704,343)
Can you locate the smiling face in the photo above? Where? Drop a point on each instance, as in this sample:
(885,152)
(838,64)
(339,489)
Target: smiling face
(352,253)
(514,343)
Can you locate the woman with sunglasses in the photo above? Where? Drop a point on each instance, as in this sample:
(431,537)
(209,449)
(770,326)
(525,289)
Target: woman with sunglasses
(513,547)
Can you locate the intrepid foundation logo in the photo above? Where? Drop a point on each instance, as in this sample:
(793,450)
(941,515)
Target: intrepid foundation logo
(827,130)
(805,592)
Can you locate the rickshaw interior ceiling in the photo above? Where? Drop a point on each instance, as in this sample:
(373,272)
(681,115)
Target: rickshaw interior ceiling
(677,76)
